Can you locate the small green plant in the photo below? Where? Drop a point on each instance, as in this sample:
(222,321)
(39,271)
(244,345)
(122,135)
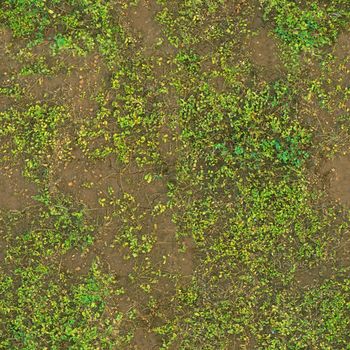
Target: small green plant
(14,91)
(31,137)
(177,174)
(55,227)
(305,28)
(131,234)
(41,307)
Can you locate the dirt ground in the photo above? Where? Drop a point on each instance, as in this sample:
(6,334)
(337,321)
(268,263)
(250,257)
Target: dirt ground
(75,83)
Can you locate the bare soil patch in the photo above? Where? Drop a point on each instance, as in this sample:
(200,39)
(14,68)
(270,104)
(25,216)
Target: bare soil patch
(141,19)
(74,85)
(145,340)
(87,181)
(76,263)
(15,190)
(336,173)
(264,54)
(343,252)
(342,46)
(318,118)
(256,21)
(7,67)
(307,278)
(7,63)
(341,75)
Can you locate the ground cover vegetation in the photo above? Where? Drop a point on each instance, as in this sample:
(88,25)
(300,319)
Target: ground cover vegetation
(174,174)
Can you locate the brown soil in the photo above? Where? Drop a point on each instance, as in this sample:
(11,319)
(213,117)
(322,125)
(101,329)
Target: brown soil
(145,340)
(342,46)
(264,54)
(182,262)
(164,256)
(7,63)
(7,67)
(141,19)
(80,79)
(343,252)
(339,75)
(336,174)
(307,278)
(15,190)
(324,120)
(342,78)
(87,181)
(15,195)
(3,247)
(76,263)
(257,18)
(73,177)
